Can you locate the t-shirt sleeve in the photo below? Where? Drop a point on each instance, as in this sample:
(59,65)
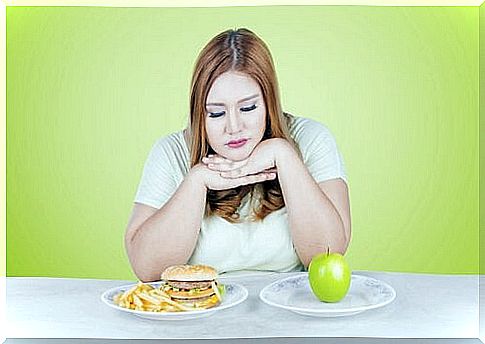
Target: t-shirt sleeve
(157,183)
(320,152)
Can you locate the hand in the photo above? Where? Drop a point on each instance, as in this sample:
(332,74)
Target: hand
(261,160)
(214,181)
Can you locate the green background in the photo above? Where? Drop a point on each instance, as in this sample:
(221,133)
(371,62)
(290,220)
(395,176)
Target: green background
(482,139)
(89,90)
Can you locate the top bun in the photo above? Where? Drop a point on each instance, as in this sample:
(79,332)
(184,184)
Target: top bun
(189,273)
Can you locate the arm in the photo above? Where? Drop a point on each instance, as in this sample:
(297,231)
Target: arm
(158,238)
(319,214)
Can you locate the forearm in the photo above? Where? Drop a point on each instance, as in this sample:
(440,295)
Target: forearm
(169,236)
(315,223)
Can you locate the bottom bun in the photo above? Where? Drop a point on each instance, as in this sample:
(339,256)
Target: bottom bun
(203,303)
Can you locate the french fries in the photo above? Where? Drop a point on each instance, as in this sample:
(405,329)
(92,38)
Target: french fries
(144,297)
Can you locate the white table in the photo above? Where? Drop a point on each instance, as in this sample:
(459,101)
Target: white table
(426,306)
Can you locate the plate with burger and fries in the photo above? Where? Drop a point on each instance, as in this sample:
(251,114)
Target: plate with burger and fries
(184,292)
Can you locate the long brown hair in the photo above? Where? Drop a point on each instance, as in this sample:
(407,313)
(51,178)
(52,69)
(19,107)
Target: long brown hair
(240,51)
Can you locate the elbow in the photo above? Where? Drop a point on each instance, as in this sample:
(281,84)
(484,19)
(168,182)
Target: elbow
(340,246)
(137,263)
(143,272)
(337,245)
(348,237)
(343,245)
(145,267)
(342,250)
(146,277)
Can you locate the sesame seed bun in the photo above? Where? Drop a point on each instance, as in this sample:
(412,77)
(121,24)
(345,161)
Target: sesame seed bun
(189,273)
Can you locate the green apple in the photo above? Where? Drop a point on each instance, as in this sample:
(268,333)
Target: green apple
(329,276)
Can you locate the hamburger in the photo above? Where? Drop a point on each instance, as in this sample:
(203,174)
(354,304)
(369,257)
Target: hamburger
(193,286)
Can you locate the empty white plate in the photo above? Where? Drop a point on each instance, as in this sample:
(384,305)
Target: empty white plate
(294,294)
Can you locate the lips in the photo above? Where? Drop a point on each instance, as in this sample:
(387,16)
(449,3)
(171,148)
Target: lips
(237,143)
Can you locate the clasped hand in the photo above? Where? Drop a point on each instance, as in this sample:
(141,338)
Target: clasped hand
(222,173)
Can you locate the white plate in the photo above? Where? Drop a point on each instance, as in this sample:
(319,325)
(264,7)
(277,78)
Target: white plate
(234,295)
(294,294)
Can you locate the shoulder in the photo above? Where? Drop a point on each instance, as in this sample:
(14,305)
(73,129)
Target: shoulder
(306,131)
(318,149)
(170,152)
(171,146)
(169,141)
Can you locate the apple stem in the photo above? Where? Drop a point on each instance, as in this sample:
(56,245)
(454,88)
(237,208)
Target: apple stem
(328,250)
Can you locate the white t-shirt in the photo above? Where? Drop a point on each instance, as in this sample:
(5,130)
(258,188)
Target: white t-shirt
(260,245)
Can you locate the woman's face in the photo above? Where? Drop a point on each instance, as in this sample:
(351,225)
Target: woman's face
(235,115)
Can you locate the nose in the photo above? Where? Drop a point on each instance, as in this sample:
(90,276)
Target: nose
(233,123)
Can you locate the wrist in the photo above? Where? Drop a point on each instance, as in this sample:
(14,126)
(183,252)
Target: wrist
(196,176)
(282,150)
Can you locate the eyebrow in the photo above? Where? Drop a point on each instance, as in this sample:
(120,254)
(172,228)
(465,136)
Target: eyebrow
(240,101)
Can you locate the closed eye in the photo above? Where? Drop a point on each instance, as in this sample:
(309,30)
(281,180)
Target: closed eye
(222,113)
(216,114)
(246,109)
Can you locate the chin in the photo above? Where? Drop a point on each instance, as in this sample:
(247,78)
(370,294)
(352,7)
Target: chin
(237,156)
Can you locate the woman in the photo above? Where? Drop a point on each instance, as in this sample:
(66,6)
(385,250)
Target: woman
(245,186)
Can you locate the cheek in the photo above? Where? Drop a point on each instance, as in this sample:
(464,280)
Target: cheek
(213,133)
(261,121)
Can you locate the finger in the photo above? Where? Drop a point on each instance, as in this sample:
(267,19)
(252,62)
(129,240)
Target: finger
(247,169)
(240,172)
(220,167)
(215,159)
(228,166)
(255,178)
(218,159)
(252,179)
(206,160)
(235,173)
